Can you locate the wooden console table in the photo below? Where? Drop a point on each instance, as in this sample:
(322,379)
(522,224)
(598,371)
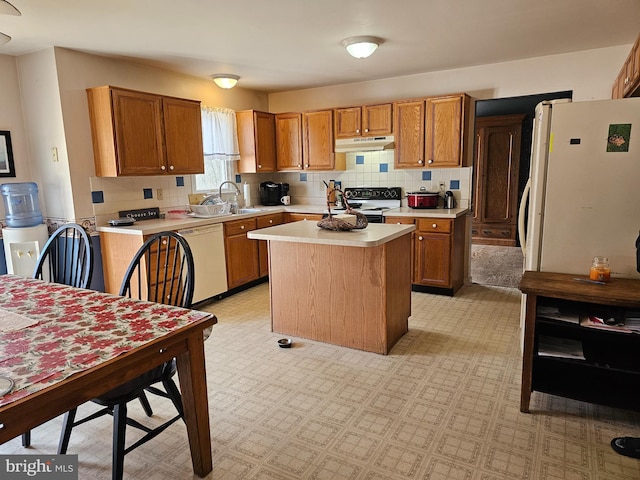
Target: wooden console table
(609,372)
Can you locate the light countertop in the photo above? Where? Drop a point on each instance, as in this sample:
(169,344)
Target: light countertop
(149,227)
(308,232)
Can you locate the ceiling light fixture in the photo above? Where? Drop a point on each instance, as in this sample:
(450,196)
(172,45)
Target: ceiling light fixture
(225,80)
(7,9)
(361,47)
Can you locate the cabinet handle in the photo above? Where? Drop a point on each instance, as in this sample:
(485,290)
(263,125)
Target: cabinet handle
(435,225)
(357,130)
(270,221)
(420,238)
(163,167)
(420,162)
(164,242)
(259,166)
(170,167)
(241,227)
(366,130)
(300,166)
(430,161)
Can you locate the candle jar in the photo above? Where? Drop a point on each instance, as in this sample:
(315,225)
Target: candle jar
(600,270)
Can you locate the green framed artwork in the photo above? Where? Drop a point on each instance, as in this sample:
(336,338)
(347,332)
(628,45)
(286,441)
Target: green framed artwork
(619,136)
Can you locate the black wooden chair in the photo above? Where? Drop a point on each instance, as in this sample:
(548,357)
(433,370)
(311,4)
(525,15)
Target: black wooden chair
(66,258)
(162,271)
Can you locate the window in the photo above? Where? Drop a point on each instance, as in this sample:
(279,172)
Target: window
(220,144)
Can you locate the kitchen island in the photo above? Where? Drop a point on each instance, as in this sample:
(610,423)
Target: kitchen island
(348,288)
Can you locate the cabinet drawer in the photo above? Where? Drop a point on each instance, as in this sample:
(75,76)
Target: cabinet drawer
(502,231)
(237,227)
(399,220)
(270,220)
(434,225)
(296,217)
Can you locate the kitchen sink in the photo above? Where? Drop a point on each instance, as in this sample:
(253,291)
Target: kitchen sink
(249,210)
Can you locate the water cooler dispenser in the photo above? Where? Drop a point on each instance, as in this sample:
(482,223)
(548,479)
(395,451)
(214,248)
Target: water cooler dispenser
(25,234)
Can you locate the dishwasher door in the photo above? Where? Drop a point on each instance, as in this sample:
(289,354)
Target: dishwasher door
(207,247)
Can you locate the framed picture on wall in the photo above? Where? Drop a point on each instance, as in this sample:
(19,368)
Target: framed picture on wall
(7,167)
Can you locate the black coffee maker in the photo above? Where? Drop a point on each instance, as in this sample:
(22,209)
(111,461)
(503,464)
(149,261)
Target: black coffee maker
(270,193)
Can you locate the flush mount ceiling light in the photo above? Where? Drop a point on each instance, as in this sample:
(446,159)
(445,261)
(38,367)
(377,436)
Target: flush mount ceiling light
(7,9)
(361,47)
(225,80)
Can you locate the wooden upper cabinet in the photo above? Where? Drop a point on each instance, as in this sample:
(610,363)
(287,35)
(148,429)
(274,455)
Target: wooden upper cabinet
(409,134)
(257,141)
(318,140)
(627,83)
(369,120)
(137,133)
(377,119)
(288,141)
(443,131)
(183,136)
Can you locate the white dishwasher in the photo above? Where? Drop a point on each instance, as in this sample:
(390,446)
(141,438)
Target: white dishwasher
(207,247)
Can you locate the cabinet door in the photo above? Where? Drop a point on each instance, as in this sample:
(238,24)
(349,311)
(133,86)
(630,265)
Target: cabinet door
(433,259)
(138,133)
(183,136)
(241,252)
(377,119)
(443,131)
(318,140)
(632,70)
(257,141)
(263,252)
(289,141)
(409,134)
(348,122)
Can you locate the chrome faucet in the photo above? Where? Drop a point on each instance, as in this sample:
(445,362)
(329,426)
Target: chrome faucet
(234,201)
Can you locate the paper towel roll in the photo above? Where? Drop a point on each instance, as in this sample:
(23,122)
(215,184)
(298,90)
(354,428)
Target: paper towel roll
(247,194)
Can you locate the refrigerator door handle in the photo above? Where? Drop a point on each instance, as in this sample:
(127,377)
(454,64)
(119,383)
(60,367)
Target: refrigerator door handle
(521,216)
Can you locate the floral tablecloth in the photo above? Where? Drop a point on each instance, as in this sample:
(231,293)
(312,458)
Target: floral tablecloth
(70,329)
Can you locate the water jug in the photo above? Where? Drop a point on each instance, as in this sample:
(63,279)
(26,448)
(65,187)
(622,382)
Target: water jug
(21,204)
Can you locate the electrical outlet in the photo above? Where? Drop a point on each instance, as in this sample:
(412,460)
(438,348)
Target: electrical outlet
(54,154)
(160,194)
(442,187)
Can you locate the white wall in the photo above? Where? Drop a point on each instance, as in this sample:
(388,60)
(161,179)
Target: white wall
(54,84)
(45,130)
(590,74)
(12,120)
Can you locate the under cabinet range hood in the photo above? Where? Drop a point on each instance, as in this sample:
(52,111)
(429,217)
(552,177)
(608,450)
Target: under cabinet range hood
(364,144)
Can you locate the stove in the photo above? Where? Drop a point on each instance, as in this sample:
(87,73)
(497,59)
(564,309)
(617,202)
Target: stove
(372,201)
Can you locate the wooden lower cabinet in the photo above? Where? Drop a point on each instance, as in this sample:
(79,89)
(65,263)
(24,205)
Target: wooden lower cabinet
(438,252)
(263,252)
(242,257)
(118,250)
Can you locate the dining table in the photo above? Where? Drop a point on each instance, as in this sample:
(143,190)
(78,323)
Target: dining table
(61,346)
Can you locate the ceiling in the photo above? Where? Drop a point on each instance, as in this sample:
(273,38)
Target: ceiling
(280,45)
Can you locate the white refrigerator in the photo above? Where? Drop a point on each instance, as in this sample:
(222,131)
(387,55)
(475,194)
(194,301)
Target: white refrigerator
(583,195)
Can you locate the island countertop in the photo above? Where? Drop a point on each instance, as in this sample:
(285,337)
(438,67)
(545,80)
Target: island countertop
(308,232)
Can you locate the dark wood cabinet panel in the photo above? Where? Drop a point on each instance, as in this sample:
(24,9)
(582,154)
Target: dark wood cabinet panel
(496,168)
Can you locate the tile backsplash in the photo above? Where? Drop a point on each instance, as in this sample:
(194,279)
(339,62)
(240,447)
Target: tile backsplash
(371,169)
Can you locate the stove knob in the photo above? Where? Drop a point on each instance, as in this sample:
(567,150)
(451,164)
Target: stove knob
(388,193)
